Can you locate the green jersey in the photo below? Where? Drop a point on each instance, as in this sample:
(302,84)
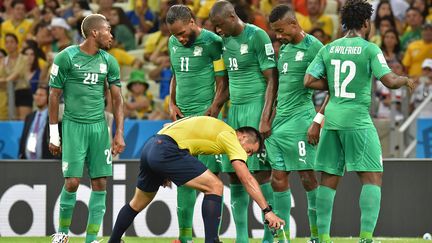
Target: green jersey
(82,78)
(348,64)
(245,57)
(194,70)
(292,63)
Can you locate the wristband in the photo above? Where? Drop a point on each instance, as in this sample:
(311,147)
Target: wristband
(54,134)
(267,209)
(318,118)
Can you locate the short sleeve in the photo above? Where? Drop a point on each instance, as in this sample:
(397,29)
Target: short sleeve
(231,146)
(264,50)
(317,67)
(113,75)
(59,70)
(378,62)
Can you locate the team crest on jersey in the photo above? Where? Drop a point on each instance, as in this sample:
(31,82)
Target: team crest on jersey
(103,68)
(299,56)
(54,69)
(243,49)
(269,49)
(223,48)
(197,51)
(382,60)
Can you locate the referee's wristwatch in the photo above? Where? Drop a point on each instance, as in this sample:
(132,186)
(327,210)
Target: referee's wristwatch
(268,209)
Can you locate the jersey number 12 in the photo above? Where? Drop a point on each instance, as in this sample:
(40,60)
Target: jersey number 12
(340,90)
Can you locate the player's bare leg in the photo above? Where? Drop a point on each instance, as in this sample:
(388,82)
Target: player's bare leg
(370,200)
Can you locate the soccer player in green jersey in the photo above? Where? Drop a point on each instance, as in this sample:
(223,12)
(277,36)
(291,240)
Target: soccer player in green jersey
(349,139)
(82,73)
(287,147)
(199,87)
(249,58)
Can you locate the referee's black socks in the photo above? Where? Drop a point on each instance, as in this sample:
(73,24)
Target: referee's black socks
(211,213)
(124,219)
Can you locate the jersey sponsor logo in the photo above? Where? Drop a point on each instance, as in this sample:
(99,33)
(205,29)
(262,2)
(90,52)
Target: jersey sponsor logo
(198,51)
(299,56)
(269,49)
(103,68)
(302,160)
(243,49)
(78,66)
(54,69)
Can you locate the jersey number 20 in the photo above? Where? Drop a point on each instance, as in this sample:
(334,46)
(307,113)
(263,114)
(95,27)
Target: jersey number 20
(90,78)
(340,90)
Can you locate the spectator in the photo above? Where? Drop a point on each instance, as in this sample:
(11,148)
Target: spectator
(139,100)
(42,35)
(418,51)
(61,33)
(143,18)
(384,10)
(6,10)
(105,7)
(80,9)
(423,6)
(390,46)
(320,35)
(35,135)
(3,88)
(382,25)
(423,89)
(156,45)
(122,29)
(15,63)
(125,59)
(398,7)
(316,18)
(17,24)
(32,69)
(414,22)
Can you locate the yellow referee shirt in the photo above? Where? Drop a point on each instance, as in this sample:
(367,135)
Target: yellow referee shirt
(205,135)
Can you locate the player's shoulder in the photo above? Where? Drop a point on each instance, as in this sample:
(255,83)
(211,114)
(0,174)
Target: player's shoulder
(210,37)
(172,40)
(312,41)
(252,30)
(106,55)
(68,53)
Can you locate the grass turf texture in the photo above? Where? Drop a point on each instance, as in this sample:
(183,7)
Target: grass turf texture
(169,240)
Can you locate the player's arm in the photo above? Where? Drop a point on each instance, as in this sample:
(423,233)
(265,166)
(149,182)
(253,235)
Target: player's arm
(175,112)
(266,59)
(382,72)
(222,93)
(113,78)
(316,73)
(271,76)
(313,133)
(253,189)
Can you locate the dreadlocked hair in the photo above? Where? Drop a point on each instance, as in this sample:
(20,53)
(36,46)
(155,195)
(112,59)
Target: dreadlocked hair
(355,13)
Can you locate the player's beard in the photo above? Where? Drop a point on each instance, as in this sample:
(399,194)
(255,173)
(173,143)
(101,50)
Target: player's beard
(192,38)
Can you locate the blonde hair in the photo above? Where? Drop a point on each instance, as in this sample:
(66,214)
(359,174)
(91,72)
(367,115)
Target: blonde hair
(91,22)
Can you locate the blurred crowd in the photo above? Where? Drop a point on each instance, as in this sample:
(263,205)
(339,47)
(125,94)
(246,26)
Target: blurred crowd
(33,31)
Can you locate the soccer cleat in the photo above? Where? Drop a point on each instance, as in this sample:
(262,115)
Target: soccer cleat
(99,241)
(179,241)
(60,238)
(313,240)
(362,240)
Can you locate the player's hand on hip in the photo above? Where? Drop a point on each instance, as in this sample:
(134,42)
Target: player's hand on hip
(118,145)
(273,221)
(55,150)
(313,133)
(265,129)
(175,112)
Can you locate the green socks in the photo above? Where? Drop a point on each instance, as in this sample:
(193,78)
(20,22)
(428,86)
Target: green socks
(312,215)
(239,206)
(324,208)
(370,200)
(186,198)
(282,207)
(267,191)
(96,213)
(67,205)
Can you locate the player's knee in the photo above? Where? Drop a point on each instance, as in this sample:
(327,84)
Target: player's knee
(216,187)
(309,180)
(280,183)
(71,184)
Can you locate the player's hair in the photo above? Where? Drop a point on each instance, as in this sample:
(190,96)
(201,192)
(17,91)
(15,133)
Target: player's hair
(355,13)
(279,12)
(223,9)
(255,135)
(91,22)
(179,12)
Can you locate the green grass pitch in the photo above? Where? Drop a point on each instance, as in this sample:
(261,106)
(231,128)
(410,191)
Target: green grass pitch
(168,240)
